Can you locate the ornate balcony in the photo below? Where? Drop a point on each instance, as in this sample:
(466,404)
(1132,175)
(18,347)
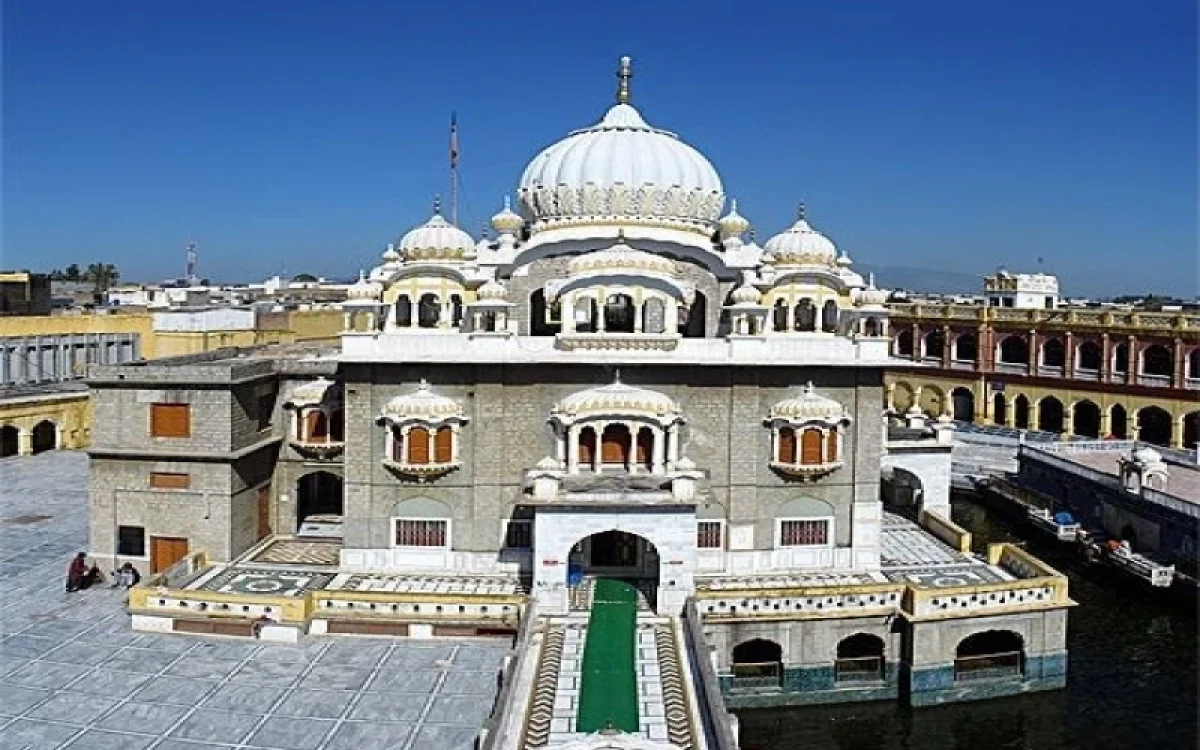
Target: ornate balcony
(322,450)
(805,471)
(422,472)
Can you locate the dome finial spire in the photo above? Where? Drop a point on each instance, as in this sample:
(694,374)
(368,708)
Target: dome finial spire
(437,203)
(801,211)
(624,74)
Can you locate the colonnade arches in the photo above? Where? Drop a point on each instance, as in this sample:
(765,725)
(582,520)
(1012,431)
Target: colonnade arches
(1154,425)
(999,409)
(963,404)
(966,348)
(1050,415)
(1054,354)
(44,437)
(1021,412)
(1085,419)
(1157,360)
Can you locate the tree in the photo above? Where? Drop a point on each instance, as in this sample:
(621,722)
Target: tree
(102,275)
(72,273)
(307,277)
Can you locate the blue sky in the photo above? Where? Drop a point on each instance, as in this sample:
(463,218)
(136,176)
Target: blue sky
(302,136)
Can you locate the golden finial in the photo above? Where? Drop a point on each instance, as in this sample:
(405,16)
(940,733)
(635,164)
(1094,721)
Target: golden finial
(624,74)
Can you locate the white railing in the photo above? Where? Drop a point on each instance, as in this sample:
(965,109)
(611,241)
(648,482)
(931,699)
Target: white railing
(1017,368)
(1161,381)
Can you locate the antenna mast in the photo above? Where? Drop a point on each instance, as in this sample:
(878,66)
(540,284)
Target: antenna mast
(190,266)
(454,168)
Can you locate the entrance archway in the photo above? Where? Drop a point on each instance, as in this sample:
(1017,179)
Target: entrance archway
(1021,412)
(757,663)
(1000,409)
(616,554)
(964,404)
(319,499)
(1118,422)
(10,441)
(45,437)
(904,491)
(1086,419)
(1050,415)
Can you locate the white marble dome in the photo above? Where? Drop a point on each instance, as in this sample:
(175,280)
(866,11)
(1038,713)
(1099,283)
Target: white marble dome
(809,406)
(872,296)
(746,295)
(622,169)
(422,405)
(507,221)
(436,239)
(620,257)
(617,398)
(364,290)
(800,245)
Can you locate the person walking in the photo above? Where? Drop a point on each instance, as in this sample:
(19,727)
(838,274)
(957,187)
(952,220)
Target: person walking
(76,572)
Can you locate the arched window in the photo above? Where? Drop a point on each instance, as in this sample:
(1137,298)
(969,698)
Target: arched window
(403,311)
(859,659)
(1053,353)
(962,401)
(1154,425)
(1157,360)
(787,446)
(999,409)
(990,655)
(1089,356)
(418,446)
(421,522)
(1085,420)
(757,663)
(1014,350)
(904,343)
(428,311)
(806,315)
(1120,356)
(618,313)
(935,344)
(1021,412)
(586,315)
(873,327)
(810,447)
(1118,422)
(829,317)
(1050,415)
(966,348)
(614,445)
(587,447)
(456,310)
(779,315)
(316,427)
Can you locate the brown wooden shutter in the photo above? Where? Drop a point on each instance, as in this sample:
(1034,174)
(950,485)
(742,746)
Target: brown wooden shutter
(318,425)
(810,446)
(587,446)
(787,446)
(443,447)
(614,445)
(170,420)
(418,445)
(831,446)
(167,481)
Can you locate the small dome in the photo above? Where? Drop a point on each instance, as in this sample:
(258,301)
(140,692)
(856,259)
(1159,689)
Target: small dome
(871,296)
(621,257)
(617,398)
(733,224)
(436,239)
(363,289)
(746,295)
(801,245)
(492,290)
(507,221)
(313,392)
(390,256)
(422,405)
(809,406)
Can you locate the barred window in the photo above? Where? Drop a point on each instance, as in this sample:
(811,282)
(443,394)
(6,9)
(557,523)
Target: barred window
(708,534)
(414,533)
(803,533)
(518,535)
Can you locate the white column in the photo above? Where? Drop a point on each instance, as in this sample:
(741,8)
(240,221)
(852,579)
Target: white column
(631,456)
(774,443)
(567,306)
(638,317)
(572,449)
(658,451)
(600,311)
(673,445)
(598,453)
(671,324)
(455,455)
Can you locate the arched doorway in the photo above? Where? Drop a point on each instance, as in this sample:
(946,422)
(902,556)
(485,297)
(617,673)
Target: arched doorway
(1089,356)
(757,663)
(859,659)
(999,409)
(1085,420)
(1191,430)
(990,655)
(964,404)
(1154,425)
(1014,350)
(1118,422)
(44,437)
(319,503)
(1021,412)
(904,344)
(616,554)
(10,441)
(1050,415)
(903,490)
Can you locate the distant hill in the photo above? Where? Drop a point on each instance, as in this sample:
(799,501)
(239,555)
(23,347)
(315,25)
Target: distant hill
(923,279)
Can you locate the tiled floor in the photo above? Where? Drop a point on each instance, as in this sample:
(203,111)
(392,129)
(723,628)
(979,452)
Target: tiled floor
(73,675)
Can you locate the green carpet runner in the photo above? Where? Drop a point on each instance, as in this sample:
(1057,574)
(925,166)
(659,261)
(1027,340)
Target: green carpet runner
(608,693)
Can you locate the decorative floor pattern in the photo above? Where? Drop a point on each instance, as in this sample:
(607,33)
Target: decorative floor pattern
(264,581)
(73,676)
(428,584)
(298,552)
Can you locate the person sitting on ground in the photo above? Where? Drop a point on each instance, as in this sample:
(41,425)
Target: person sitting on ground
(92,577)
(126,576)
(76,572)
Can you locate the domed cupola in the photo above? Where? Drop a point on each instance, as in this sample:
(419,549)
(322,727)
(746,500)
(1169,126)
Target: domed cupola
(733,224)
(800,245)
(871,296)
(620,257)
(622,170)
(809,406)
(507,221)
(436,240)
(617,399)
(364,290)
(492,291)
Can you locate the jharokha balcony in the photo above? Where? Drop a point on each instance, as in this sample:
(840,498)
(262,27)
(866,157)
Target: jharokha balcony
(318,434)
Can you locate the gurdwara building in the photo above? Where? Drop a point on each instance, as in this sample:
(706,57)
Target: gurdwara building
(618,383)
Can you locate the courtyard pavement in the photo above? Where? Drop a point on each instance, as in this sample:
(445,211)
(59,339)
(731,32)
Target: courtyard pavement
(73,674)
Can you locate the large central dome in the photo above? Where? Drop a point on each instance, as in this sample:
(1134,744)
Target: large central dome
(622,169)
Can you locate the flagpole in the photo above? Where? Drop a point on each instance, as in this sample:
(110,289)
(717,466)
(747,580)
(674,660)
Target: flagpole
(454,168)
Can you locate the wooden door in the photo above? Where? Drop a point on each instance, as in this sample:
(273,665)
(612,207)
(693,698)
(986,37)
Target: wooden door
(264,511)
(810,447)
(165,551)
(418,446)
